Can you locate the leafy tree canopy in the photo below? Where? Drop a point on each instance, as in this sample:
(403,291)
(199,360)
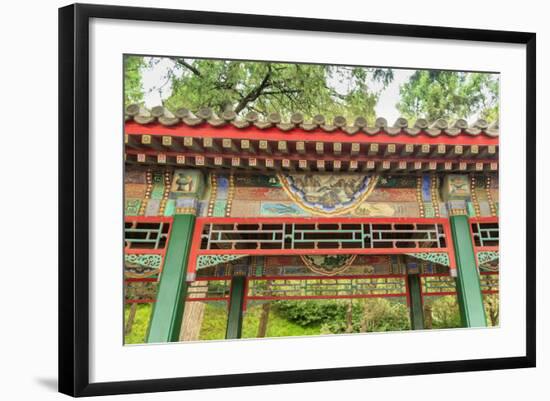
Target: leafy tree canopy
(311,89)
(268,87)
(133,88)
(448,94)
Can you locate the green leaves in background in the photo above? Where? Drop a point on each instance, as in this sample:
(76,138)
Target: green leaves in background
(449,94)
(311,89)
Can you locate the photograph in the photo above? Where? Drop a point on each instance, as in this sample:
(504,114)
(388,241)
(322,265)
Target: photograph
(267,199)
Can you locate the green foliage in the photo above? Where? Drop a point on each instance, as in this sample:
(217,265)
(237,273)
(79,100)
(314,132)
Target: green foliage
(371,315)
(214,322)
(311,312)
(367,315)
(445,313)
(492,309)
(133,89)
(314,317)
(311,89)
(266,87)
(278,325)
(140,325)
(382,314)
(435,94)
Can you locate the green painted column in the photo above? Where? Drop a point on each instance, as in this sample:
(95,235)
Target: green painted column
(235,316)
(415,302)
(470,298)
(167,313)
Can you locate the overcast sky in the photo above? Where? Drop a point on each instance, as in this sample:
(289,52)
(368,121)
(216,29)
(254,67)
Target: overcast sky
(155,77)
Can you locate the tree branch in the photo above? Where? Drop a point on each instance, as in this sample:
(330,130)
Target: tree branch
(254,93)
(282,91)
(185,64)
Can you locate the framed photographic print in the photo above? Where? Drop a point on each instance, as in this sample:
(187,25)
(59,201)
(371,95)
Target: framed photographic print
(250,199)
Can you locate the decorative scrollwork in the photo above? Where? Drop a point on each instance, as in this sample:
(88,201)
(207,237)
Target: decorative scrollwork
(212,260)
(142,265)
(484,259)
(441,258)
(328,265)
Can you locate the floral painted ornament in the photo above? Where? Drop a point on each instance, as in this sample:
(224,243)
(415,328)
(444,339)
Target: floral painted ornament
(328,265)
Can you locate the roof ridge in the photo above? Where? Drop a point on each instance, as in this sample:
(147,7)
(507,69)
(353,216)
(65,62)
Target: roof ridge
(164,116)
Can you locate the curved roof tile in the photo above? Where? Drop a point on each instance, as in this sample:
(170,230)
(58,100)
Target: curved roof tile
(438,127)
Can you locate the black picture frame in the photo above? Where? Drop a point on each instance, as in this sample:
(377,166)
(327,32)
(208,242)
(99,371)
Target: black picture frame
(74,198)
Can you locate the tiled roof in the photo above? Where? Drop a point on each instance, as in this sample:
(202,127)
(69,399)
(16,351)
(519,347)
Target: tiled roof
(205,115)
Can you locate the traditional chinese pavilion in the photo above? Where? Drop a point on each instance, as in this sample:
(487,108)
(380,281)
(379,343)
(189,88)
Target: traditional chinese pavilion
(255,209)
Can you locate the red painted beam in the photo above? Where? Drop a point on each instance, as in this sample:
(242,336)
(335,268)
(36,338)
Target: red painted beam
(274,134)
(444,293)
(140,251)
(309,156)
(486,248)
(324,251)
(140,280)
(483,219)
(148,219)
(321,220)
(304,297)
(291,278)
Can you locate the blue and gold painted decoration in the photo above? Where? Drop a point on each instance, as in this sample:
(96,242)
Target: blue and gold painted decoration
(429,189)
(426,188)
(157,190)
(153,207)
(186,206)
(146,190)
(277,209)
(471,209)
(219,208)
(327,194)
(223,187)
(170,208)
(222,190)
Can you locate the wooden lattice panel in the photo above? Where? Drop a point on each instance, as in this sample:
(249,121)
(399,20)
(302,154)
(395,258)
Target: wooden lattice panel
(146,240)
(149,233)
(320,236)
(226,238)
(485,237)
(438,284)
(485,232)
(489,282)
(442,284)
(271,288)
(209,289)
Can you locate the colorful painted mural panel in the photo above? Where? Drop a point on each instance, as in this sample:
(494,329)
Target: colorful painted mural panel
(260,193)
(328,194)
(282,209)
(257,180)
